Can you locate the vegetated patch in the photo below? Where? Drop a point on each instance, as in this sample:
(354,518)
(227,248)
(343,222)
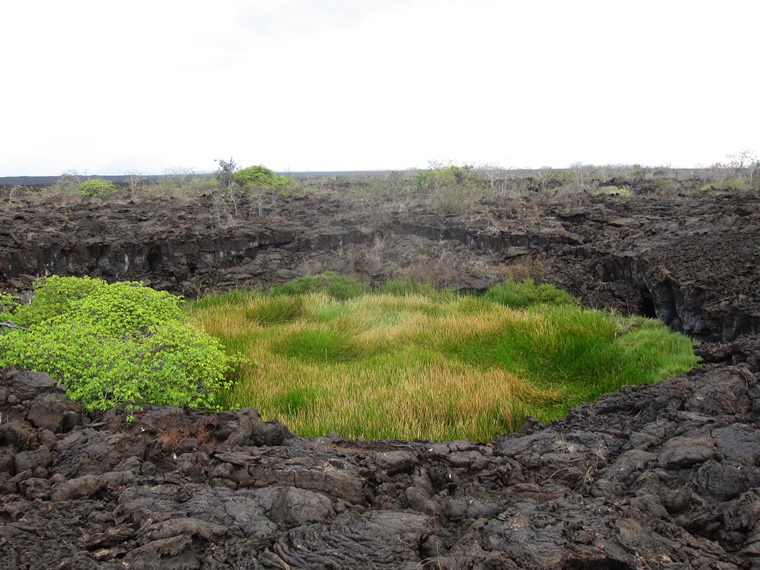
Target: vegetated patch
(338,286)
(410,361)
(728,183)
(273,310)
(114,344)
(96,187)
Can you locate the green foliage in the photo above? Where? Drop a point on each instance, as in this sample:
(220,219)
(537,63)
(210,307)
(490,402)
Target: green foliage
(298,400)
(652,349)
(403,288)
(337,286)
(579,350)
(665,184)
(119,308)
(322,344)
(96,187)
(275,310)
(259,177)
(56,296)
(559,344)
(450,188)
(116,344)
(8,304)
(612,191)
(525,293)
(729,183)
(410,361)
(442,176)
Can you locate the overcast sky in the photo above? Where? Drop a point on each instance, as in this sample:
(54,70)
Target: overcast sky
(110,87)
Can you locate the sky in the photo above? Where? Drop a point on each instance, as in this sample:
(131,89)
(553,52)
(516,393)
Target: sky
(155,86)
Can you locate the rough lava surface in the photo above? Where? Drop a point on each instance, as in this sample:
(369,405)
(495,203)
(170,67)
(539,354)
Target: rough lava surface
(656,476)
(688,258)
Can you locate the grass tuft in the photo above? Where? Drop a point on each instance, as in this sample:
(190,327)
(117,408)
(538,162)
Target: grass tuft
(410,361)
(525,293)
(337,286)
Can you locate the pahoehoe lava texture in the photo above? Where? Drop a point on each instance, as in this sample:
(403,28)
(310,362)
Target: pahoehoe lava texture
(660,476)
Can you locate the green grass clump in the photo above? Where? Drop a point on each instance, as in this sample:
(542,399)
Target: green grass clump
(275,310)
(728,183)
(612,191)
(338,286)
(402,287)
(320,344)
(523,294)
(413,362)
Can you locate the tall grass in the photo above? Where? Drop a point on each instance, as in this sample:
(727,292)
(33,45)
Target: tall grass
(408,362)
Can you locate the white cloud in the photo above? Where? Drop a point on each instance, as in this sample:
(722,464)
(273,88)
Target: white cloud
(343,84)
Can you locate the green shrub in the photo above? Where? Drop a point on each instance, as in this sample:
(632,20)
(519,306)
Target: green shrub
(8,305)
(439,177)
(96,187)
(665,184)
(730,183)
(117,344)
(612,191)
(259,177)
(525,293)
(337,286)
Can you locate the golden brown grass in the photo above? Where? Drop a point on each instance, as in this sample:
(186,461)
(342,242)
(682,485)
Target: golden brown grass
(432,366)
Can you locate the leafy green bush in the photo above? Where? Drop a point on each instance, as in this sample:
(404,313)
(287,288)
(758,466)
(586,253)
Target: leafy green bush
(117,344)
(442,176)
(665,184)
(96,187)
(8,305)
(451,189)
(337,286)
(612,191)
(259,177)
(525,293)
(730,183)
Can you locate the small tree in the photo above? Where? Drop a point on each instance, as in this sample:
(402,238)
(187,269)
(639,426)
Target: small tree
(493,174)
(70,180)
(439,176)
(225,173)
(743,160)
(134,181)
(262,184)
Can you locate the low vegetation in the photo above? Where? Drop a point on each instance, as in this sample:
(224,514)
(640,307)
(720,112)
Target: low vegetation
(234,195)
(114,344)
(411,361)
(326,354)
(96,187)
(259,177)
